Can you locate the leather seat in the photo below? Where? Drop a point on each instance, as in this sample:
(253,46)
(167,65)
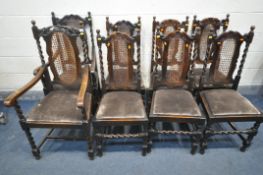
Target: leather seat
(228,103)
(60,107)
(123,105)
(175,103)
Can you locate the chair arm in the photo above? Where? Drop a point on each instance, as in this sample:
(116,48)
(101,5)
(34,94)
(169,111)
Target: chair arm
(11,99)
(83,87)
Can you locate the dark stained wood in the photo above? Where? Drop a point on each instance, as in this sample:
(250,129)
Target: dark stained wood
(83,88)
(164,27)
(64,63)
(224,59)
(123,78)
(120,56)
(175,60)
(12,98)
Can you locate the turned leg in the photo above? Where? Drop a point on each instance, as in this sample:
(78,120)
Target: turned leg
(90,142)
(100,140)
(150,136)
(247,142)
(203,142)
(35,149)
(145,139)
(24,126)
(97,141)
(194,140)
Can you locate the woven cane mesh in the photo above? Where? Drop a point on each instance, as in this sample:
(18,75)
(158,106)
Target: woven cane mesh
(226,55)
(203,41)
(63,58)
(122,70)
(177,52)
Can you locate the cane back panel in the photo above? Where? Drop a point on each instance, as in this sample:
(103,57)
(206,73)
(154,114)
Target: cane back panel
(62,54)
(120,61)
(166,27)
(79,23)
(175,59)
(207,26)
(227,47)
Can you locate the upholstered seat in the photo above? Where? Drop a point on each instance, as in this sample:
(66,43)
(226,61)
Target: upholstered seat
(121,105)
(174,103)
(228,103)
(59,107)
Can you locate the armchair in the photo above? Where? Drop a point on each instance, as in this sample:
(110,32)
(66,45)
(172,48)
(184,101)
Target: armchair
(67,102)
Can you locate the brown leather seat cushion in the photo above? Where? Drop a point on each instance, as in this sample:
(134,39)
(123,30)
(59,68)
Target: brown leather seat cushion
(121,105)
(174,102)
(59,107)
(228,102)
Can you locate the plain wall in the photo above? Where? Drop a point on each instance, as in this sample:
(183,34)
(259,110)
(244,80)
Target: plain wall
(19,55)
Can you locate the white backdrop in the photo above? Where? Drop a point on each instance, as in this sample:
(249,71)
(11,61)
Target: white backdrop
(18,52)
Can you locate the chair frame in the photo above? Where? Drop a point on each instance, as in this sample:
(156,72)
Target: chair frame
(159,27)
(42,73)
(198,27)
(135,30)
(84,23)
(101,126)
(208,131)
(197,124)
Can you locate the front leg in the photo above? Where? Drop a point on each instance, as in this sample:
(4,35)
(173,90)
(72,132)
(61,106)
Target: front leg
(247,142)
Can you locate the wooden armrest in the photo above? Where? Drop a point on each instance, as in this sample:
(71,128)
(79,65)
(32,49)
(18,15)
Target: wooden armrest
(11,99)
(83,87)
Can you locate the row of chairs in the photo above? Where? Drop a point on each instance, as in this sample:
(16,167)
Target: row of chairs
(192,82)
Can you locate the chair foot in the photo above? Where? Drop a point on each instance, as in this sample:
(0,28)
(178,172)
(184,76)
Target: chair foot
(203,146)
(193,149)
(244,146)
(100,151)
(91,154)
(202,151)
(36,154)
(149,147)
(144,150)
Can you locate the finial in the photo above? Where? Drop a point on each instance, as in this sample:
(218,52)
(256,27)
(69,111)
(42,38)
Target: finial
(252,28)
(33,22)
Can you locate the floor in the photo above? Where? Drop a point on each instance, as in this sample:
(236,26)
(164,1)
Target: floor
(170,155)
